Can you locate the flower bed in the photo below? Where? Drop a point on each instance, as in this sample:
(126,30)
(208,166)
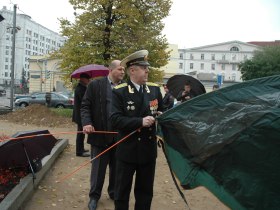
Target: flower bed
(9,178)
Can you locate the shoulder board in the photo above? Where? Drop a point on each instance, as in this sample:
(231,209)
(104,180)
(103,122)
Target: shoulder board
(152,84)
(120,85)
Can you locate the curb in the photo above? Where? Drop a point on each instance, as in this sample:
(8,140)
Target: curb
(25,189)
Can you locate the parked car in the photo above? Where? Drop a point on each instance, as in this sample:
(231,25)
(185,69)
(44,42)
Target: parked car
(17,96)
(57,100)
(2,91)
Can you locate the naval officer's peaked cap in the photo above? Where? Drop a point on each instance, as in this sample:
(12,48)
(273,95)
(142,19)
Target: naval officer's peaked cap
(139,58)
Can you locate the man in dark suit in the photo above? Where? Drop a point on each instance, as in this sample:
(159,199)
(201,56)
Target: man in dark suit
(95,112)
(76,116)
(134,106)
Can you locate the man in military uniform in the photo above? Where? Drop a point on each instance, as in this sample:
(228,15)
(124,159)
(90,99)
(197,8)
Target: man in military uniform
(134,106)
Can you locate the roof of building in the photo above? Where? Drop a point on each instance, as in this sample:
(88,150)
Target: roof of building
(266,43)
(222,43)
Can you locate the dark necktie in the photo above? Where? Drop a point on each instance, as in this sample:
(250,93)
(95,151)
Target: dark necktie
(141,89)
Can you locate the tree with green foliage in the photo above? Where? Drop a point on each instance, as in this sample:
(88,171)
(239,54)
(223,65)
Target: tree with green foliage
(112,29)
(265,62)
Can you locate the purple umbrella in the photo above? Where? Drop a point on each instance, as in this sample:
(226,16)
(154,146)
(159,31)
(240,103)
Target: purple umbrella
(93,70)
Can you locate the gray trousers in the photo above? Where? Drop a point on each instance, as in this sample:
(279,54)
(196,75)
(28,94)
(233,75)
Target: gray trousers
(98,171)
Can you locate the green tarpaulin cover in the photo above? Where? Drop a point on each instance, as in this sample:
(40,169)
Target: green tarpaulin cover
(229,141)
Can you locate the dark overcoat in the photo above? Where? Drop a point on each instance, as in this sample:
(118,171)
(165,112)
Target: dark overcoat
(94,111)
(78,96)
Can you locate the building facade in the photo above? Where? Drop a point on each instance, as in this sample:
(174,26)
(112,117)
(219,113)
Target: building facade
(32,39)
(45,75)
(172,66)
(207,62)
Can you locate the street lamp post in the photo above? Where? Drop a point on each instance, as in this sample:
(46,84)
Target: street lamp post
(13,58)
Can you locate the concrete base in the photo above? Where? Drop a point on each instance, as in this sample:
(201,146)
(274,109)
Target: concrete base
(26,187)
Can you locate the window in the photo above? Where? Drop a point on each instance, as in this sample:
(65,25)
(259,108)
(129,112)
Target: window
(234,57)
(234,49)
(233,67)
(191,65)
(180,65)
(224,57)
(6,66)
(223,66)
(54,96)
(6,59)
(6,74)
(7,52)
(202,56)
(223,76)
(202,66)
(191,56)
(212,56)
(233,77)
(213,66)
(41,95)
(181,56)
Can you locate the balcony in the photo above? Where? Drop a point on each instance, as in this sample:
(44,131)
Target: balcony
(228,61)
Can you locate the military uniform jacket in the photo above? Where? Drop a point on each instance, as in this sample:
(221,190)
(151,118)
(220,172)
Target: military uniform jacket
(128,109)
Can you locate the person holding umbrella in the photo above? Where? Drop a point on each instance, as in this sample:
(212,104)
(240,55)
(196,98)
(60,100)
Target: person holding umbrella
(187,93)
(76,116)
(95,112)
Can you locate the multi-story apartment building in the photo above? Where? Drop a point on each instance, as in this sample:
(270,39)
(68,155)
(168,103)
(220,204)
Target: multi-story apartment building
(31,39)
(217,59)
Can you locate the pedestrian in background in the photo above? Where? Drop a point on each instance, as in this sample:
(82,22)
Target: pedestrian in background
(187,93)
(96,107)
(135,105)
(168,99)
(215,87)
(76,116)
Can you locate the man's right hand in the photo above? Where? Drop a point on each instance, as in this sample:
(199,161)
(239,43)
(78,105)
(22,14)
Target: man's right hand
(88,129)
(148,121)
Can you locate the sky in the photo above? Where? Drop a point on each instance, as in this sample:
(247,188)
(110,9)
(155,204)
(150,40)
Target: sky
(191,23)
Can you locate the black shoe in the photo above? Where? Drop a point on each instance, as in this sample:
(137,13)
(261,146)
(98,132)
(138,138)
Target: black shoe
(112,197)
(84,154)
(92,205)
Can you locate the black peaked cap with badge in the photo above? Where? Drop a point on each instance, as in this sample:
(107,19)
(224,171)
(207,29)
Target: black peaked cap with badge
(139,58)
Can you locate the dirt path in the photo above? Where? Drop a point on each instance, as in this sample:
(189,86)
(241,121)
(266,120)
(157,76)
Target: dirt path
(73,193)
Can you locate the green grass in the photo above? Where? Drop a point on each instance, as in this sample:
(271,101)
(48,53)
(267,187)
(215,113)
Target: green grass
(63,112)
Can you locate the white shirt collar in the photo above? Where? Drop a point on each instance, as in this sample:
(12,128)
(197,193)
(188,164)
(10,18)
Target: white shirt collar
(136,85)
